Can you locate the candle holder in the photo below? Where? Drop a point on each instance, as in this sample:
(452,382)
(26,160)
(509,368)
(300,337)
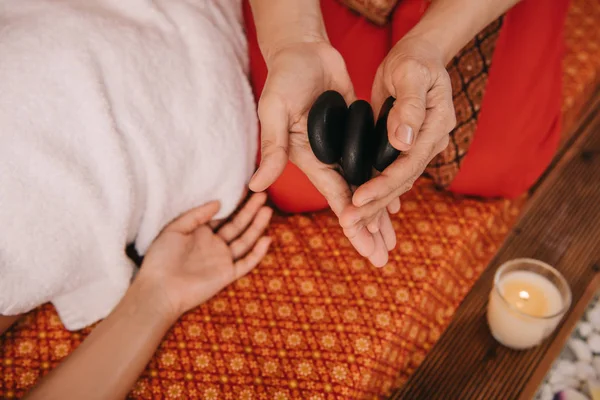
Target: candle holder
(528,300)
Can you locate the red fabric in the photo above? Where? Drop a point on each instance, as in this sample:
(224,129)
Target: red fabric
(519,126)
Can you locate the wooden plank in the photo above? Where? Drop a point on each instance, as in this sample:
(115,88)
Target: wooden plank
(561,226)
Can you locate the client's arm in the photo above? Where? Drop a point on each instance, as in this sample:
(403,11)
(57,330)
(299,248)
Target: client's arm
(7,321)
(186,265)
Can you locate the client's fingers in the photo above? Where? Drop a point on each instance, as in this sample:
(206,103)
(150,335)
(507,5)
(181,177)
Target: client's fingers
(243,218)
(246,264)
(193,219)
(246,241)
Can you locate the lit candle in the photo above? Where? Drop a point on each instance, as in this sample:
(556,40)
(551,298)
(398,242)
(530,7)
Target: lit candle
(524,306)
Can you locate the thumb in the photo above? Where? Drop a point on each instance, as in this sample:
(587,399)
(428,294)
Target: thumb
(378,93)
(409,86)
(274,131)
(345,88)
(193,219)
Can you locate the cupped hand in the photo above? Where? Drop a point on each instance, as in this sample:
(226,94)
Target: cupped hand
(189,263)
(298,74)
(418,125)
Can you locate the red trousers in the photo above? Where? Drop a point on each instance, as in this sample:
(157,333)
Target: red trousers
(518,128)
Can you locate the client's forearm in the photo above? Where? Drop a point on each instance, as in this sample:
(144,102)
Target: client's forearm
(108,362)
(281,22)
(451,24)
(7,321)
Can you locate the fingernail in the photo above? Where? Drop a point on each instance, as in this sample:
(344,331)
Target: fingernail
(405,134)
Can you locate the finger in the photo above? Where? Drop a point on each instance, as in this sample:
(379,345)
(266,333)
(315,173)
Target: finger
(354,217)
(328,181)
(387,231)
(396,180)
(379,93)
(394,206)
(336,191)
(341,81)
(246,264)
(243,218)
(193,219)
(246,241)
(380,256)
(409,83)
(362,240)
(399,177)
(373,225)
(274,132)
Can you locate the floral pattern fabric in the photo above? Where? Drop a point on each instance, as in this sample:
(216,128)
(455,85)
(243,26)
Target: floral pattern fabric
(314,320)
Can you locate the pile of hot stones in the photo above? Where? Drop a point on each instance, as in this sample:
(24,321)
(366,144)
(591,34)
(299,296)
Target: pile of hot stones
(349,136)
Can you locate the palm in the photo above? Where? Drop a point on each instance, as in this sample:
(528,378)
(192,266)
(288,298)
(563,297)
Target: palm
(301,73)
(204,248)
(193,264)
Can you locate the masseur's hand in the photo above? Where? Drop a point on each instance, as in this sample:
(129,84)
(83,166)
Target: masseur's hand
(298,74)
(419,123)
(189,263)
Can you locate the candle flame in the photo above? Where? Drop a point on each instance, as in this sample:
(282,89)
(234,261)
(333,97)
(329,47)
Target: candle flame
(524,295)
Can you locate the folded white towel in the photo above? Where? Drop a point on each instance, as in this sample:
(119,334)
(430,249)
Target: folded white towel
(115,117)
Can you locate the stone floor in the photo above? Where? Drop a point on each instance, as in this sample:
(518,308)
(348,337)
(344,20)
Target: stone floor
(575,375)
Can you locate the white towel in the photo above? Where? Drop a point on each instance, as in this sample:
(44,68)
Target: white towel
(115,117)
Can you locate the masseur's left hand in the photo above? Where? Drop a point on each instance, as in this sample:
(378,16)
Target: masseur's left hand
(418,125)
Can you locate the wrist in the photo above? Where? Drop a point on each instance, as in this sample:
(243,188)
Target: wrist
(283,23)
(274,46)
(147,298)
(451,24)
(439,39)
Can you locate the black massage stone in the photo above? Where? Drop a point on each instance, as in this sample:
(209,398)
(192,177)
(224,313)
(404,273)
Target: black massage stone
(385,154)
(357,152)
(326,126)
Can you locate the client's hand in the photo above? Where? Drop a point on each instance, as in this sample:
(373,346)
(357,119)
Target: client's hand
(188,263)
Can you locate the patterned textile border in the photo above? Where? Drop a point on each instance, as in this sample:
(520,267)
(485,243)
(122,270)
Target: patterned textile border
(469,72)
(582,59)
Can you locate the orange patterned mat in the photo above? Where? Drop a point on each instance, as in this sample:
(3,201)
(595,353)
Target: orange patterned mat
(582,59)
(314,321)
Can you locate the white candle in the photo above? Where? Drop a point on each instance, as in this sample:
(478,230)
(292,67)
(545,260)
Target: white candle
(524,308)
